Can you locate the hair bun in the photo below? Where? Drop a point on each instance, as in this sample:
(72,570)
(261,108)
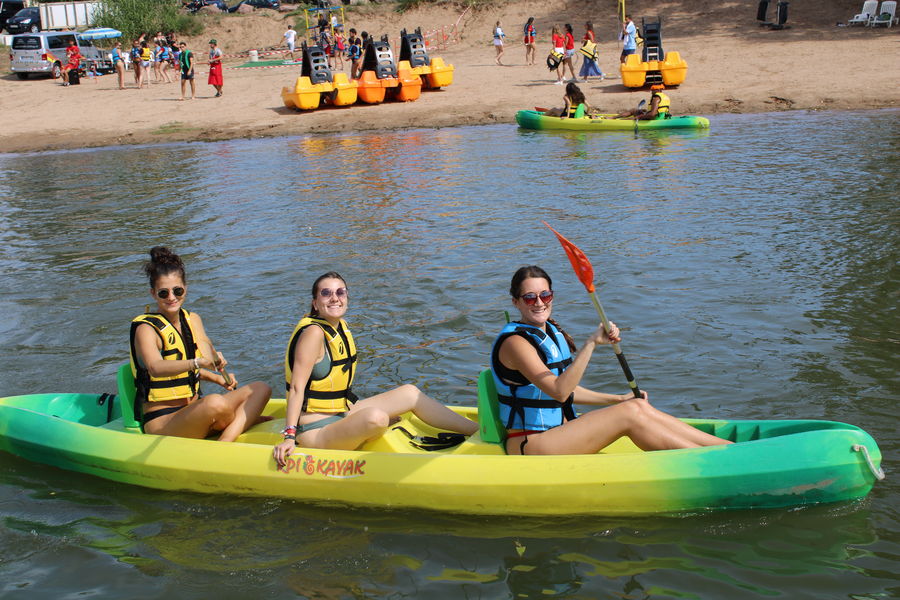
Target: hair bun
(162,262)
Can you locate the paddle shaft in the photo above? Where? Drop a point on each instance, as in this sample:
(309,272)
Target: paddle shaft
(215,359)
(619,354)
(636,114)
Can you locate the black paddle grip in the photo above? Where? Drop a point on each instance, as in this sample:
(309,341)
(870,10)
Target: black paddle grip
(627,370)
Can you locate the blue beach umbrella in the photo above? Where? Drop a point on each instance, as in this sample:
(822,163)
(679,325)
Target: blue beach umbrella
(100,33)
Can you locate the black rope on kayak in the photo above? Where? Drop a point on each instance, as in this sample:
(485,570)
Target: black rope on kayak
(443,441)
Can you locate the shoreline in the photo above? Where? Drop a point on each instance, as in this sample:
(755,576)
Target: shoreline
(734,66)
(149,138)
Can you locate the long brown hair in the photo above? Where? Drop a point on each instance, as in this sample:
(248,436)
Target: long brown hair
(515,286)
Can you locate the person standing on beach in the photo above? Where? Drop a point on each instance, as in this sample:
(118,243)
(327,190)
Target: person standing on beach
(135,54)
(186,61)
(290,39)
(355,54)
(216,78)
(629,35)
(118,62)
(530,50)
(559,48)
(569,43)
(589,66)
(498,42)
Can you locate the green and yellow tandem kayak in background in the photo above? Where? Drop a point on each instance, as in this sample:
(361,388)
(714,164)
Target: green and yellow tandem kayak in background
(533,119)
(773,464)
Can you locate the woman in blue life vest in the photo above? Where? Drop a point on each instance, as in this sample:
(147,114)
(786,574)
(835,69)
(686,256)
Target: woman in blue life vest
(171,355)
(320,362)
(537,373)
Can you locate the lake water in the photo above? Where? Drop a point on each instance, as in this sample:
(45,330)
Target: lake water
(753,269)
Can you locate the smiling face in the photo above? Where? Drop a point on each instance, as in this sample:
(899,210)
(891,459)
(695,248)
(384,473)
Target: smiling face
(168,285)
(534,314)
(330,301)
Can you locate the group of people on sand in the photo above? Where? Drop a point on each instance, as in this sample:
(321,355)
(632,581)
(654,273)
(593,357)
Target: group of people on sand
(536,366)
(336,47)
(563,52)
(165,54)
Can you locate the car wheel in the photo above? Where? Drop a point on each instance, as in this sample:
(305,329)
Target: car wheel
(34,29)
(56,71)
(22,75)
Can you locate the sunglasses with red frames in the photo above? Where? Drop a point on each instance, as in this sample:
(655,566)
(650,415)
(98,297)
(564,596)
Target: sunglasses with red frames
(178,291)
(531,298)
(326,293)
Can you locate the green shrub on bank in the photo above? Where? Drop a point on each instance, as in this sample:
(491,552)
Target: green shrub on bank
(134,17)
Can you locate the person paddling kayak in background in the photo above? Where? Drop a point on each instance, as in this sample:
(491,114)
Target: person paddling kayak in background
(319,366)
(537,373)
(660,105)
(170,355)
(574,104)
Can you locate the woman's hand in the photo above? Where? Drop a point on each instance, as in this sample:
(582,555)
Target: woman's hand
(282,451)
(233,385)
(602,337)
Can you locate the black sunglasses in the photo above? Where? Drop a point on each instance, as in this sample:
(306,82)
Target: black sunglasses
(178,291)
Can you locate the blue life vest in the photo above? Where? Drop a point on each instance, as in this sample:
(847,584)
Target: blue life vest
(522,404)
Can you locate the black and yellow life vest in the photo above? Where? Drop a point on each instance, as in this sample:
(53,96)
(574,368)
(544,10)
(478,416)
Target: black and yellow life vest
(331,393)
(664,104)
(175,346)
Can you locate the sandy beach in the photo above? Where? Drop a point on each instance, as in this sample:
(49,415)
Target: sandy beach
(734,66)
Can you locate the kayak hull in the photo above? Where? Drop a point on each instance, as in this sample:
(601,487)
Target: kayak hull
(532,119)
(773,464)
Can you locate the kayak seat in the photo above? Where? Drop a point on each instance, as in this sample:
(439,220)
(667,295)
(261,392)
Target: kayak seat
(127,392)
(492,429)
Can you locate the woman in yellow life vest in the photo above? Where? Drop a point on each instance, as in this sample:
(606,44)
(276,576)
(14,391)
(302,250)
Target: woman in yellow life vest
(660,105)
(320,362)
(171,354)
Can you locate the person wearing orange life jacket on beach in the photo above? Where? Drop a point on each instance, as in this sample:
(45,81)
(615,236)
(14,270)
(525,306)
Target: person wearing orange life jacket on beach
(660,106)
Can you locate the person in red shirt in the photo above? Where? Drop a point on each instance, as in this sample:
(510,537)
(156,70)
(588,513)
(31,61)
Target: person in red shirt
(569,44)
(73,62)
(589,65)
(559,47)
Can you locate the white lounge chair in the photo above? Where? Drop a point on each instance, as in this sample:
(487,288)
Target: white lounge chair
(887,14)
(868,11)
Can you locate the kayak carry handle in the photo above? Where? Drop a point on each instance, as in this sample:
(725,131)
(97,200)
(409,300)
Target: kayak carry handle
(878,473)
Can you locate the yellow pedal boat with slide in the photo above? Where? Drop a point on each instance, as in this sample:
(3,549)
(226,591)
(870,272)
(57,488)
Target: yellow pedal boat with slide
(772,463)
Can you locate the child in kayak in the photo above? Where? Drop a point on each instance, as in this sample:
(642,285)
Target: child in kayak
(537,373)
(322,410)
(171,354)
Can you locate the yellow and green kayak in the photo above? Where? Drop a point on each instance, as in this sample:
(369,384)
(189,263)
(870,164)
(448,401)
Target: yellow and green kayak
(773,464)
(533,119)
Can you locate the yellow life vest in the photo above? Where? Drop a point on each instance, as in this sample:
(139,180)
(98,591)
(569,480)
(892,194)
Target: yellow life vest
(175,346)
(146,54)
(664,104)
(331,393)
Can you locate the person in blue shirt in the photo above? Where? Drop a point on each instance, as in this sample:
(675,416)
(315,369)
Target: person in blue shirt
(629,36)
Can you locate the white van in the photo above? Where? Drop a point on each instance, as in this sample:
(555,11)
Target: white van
(45,52)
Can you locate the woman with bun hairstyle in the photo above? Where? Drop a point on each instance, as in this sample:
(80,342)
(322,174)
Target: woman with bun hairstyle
(537,373)
(320,362)
(171,354)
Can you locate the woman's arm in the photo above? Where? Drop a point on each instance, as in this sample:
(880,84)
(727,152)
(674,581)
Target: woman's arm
(518,354)
(567,104)
(586,396)
(210,359)
(309,349)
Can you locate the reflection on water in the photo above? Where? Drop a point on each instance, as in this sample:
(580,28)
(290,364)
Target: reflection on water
(750,279)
